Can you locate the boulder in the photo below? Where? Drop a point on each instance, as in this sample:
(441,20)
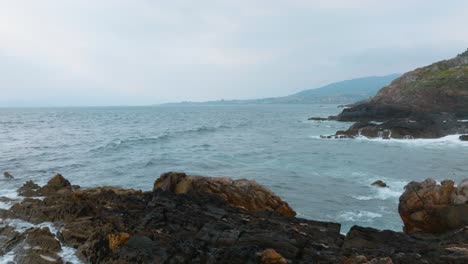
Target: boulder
(463,137)
(379,183)
(434,208)
(241,193)
(8,175)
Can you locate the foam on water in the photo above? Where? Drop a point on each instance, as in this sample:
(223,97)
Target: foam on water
(68,254)
(358,216)
(450,140)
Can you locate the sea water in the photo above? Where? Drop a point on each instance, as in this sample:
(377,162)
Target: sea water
(322,179)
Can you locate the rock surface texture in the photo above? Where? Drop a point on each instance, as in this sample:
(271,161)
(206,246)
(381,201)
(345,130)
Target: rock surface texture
(434,208)
(429,102)
(183,220)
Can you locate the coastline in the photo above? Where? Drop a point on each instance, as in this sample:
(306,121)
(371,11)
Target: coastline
(199,219)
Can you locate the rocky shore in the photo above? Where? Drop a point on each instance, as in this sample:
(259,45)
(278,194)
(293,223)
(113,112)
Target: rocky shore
(193,219)
(428,102)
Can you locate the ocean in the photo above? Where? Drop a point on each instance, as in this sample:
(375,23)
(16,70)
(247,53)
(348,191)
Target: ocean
(322,179)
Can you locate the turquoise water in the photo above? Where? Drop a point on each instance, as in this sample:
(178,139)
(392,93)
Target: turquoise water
(273,144)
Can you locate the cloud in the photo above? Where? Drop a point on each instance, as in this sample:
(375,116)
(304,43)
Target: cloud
(140,52)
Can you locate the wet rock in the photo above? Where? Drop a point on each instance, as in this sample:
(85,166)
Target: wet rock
(8,175)
(29,189)
(241,193)
(379,183)
(185,220)
(463,137)
(434,208)
(318,119)
(385,246)
(35,245)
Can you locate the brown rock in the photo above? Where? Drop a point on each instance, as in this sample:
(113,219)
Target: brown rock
(118,239)
(241,193)
(35,245)
(432,208)
(29,189)
(270,256)
(55,184)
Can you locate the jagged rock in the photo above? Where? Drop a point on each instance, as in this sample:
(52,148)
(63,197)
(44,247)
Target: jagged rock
(379,183)
(115,225)
(8,175)
(57,183)
(242,193)
(429,207)
(35,245)
(29,189)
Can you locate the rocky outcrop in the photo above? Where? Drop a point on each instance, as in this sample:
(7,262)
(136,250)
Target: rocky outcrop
(184,221)
(434,208)
(379,183)
(8,175)
(35,245)
(428,102)
(241,193)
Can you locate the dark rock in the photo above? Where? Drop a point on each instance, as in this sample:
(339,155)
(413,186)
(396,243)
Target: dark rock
(182,222)
(379,183)
(29,189)
(35,245)
(8,175)
(463,137)
(318,119)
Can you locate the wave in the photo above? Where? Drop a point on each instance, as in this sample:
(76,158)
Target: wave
(443,141)
(129,142)
(358,216)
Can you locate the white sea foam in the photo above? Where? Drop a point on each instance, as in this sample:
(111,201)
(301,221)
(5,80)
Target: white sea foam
(452,140)
(358,216)
(13,196)
(7,258)
(67,254)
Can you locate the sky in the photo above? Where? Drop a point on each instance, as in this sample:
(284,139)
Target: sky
(143,52)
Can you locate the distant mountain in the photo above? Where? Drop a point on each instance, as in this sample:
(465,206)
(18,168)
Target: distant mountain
(343,92)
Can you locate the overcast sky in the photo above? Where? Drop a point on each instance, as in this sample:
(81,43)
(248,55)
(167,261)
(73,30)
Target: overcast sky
(137,52)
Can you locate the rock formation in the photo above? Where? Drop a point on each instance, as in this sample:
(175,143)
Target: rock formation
(8,175)
(187,220)
(241,193)
(429,102)
(434,208)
